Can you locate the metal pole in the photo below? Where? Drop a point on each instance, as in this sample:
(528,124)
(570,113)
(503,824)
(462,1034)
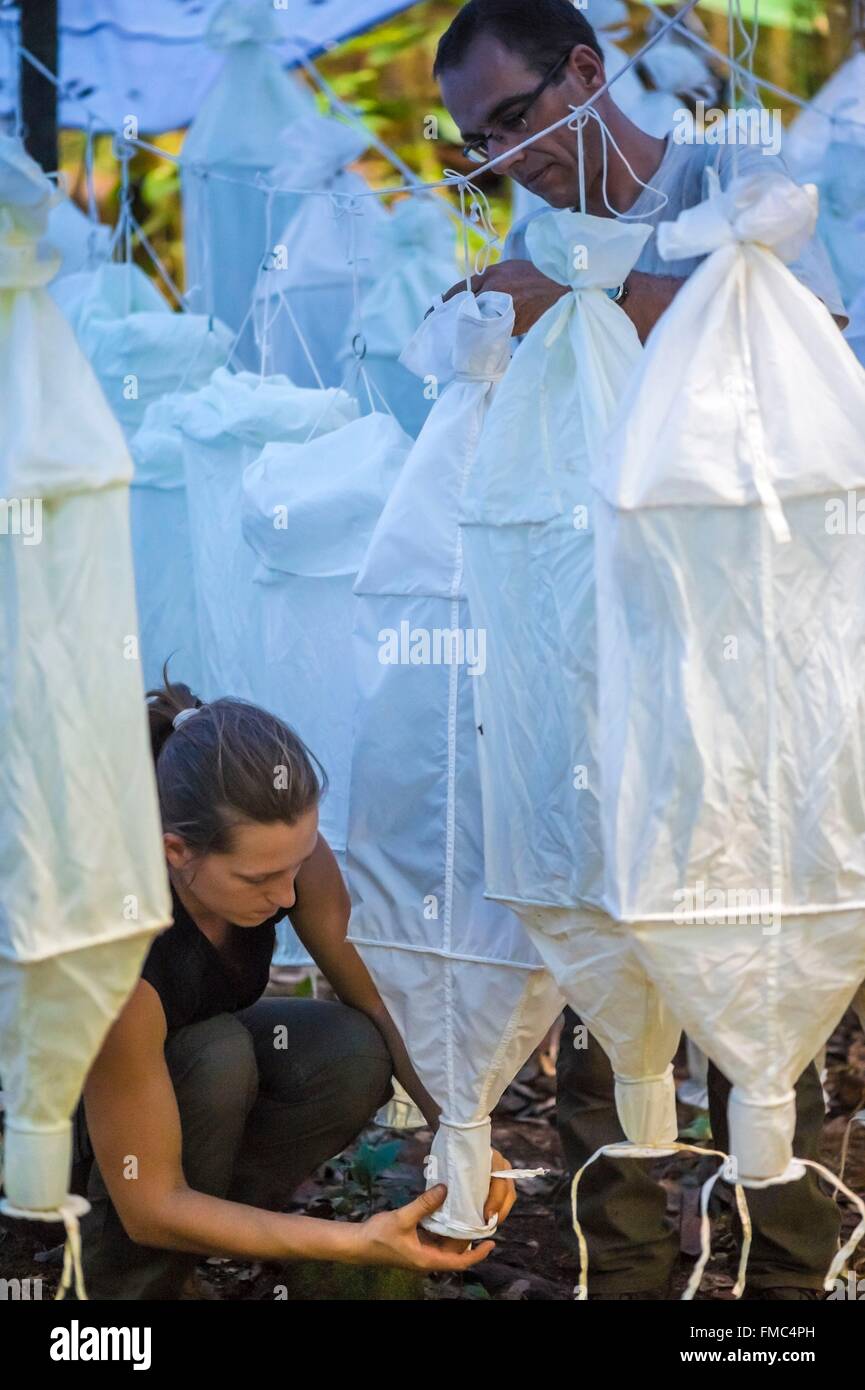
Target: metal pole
(38,95)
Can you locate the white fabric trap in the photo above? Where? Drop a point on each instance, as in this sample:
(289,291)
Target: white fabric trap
(162,550)
(139,349)
(731,694)
(306,297)
(528,538)
(229,226)
(143,355)
(224,427)
(81,858)
(462,982)
(413,261)
(309,509)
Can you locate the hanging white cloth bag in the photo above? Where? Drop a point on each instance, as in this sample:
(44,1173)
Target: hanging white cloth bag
(224,427)
(309,509)
(528,520)
(139,349)
(461,980)
(528,540)
(229,224)
(162,550)
(413,263)
(144,355)
(306,295)
(731,690)
(837,112)
(81,858)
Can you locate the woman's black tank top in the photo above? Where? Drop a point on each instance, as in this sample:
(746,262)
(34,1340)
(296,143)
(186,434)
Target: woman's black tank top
(194,981)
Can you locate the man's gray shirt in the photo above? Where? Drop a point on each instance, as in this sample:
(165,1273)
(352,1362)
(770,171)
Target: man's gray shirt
(681,175)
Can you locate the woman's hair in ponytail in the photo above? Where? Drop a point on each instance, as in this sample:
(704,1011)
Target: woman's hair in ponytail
(230,764)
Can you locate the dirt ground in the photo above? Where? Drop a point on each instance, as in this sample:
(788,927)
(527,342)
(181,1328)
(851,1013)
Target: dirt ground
(531,1261)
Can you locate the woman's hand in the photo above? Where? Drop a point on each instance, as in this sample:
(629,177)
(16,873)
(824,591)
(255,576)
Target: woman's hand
(393,1238)
(500,1199)
(320,918)
(502,1193)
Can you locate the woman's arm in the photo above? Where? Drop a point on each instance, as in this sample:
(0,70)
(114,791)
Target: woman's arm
(135,1129)
(320,918)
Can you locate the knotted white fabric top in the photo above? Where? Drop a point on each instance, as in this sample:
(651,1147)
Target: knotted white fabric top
(769,211)
(747,392)
(258,410)
(26,198)
(466,337)
(585,252)
(462,350)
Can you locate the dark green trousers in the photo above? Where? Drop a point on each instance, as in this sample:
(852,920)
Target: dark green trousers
(256,1120)
(632,1244)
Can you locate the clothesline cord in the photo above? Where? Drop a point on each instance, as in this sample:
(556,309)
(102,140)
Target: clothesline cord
(94,117)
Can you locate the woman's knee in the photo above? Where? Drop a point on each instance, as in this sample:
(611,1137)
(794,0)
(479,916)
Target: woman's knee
(358,1032)
(370,1058)
(213,1069)
(349,1058)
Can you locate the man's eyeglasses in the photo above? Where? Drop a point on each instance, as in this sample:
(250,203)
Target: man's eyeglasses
(514,121)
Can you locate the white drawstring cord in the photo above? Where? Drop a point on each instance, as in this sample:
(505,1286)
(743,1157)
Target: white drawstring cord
(72,1266)
(285,306)
(467,263)
(69,1211)
(479,215)
(158,263)
(266,320)
(856,1119)
(580,115)
(846,1250)
(724,1170)
(581,123)
(626,1149)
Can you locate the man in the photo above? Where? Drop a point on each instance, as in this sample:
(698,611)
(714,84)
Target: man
(508,69)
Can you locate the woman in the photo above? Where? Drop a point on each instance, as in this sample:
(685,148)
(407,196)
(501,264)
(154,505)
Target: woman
(209,1104)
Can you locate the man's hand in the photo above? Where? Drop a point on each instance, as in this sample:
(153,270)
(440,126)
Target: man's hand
(648,297)
(531,291)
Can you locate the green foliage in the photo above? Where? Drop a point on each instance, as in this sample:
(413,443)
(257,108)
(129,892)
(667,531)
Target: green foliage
(804,15)
(476,1293)
(357,1189)
(699,1131)
(371,1160)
